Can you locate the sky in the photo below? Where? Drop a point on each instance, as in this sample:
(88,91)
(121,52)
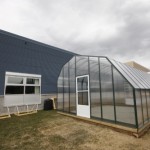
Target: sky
(119,29)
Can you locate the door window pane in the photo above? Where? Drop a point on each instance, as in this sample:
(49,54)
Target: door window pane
(82,83)
(83,98)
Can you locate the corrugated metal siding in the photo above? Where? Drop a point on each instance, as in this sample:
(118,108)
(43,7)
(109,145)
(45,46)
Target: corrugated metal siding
(137,78)
(19,54)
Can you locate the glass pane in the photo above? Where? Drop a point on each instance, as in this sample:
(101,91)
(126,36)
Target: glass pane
(124,101)
(60,91)
(15,80)
(82,83)
(81,65)
(106,89)
(95,88)
(32,81)
(14,90)
(83,98)
(139,107)
(32,90)
(66,88)
(72,85)
(144,104)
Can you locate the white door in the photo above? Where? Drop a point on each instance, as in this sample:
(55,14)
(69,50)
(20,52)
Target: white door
(82,96)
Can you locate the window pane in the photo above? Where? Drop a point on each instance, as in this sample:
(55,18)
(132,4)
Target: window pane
(95,88)
(83,98)
(15,80)
(32,81)
(14,90)
(32,90)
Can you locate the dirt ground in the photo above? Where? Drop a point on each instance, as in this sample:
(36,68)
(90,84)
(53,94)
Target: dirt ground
(52,131)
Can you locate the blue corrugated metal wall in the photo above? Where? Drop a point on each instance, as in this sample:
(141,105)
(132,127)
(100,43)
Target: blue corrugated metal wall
(19,54)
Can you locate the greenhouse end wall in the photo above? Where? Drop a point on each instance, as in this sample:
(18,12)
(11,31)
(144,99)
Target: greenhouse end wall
(112,97)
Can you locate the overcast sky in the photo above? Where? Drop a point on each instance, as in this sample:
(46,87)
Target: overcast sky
(119,29)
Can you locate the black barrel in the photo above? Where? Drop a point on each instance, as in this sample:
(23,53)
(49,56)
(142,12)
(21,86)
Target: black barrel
(48,104)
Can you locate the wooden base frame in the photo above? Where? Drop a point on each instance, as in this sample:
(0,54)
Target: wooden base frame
(7,115)
(27,112)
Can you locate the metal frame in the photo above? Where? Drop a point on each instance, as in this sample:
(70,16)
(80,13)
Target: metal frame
(113,93)
(100,86)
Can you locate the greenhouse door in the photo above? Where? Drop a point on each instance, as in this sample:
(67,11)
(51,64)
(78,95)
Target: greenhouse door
(82,96)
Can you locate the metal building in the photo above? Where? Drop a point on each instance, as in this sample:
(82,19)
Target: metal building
(22,62)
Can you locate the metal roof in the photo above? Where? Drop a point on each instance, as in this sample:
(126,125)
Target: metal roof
(137,78)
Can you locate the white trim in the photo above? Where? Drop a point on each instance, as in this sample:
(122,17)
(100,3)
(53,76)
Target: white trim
(23,74)
(14,96)
(83,110)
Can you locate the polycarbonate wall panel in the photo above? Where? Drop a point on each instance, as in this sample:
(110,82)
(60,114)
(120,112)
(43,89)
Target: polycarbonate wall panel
(139,107)
(66,88)
(144,105)
(106,89)
(148,101)
(60,92)
(72,85)
(124,101)
(95,87)
(81,65)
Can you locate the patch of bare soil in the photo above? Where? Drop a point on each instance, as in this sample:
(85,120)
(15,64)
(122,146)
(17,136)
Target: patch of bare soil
(68,133)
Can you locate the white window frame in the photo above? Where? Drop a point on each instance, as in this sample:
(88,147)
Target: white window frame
(24,76)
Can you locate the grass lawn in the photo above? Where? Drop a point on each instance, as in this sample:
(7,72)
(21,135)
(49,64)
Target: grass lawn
(48,130)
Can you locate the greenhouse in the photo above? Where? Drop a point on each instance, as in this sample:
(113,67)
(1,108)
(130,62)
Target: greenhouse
(103,89)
